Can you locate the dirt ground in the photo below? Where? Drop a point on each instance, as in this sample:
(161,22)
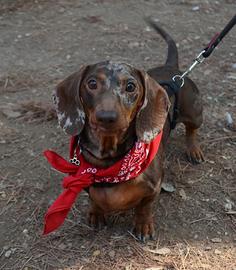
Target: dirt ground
(41,42)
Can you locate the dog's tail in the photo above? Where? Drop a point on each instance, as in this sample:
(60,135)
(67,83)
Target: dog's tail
(172,55)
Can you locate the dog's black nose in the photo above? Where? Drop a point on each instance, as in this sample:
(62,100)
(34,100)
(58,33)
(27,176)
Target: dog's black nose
(106,117)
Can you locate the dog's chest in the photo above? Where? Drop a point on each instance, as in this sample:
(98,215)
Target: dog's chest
(120,196)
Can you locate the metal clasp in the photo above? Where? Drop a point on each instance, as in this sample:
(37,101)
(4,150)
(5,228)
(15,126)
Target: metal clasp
(199,59)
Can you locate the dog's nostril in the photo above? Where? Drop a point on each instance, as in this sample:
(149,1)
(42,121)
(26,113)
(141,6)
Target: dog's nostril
(107,116)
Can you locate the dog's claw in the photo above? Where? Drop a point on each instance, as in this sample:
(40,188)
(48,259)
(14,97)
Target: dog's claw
(96,221)
(153,237)
(139,236)
(195,155)
(144,231)
(143,239)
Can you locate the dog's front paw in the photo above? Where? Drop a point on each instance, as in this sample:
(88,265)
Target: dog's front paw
(144,228)
(96,220)
(194,154)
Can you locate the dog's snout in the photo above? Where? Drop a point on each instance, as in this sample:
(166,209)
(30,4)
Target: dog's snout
(106,117)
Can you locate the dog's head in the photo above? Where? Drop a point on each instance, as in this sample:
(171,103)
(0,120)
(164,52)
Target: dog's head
(109,96)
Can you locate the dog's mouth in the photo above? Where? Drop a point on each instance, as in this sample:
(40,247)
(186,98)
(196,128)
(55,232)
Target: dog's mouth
(102,156)
(108,137)
(109,130)
(103,144)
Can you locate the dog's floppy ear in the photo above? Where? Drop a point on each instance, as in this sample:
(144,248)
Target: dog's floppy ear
(70,112)
(152,115)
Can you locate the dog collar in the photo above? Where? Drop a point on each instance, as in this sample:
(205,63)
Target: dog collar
(82,174)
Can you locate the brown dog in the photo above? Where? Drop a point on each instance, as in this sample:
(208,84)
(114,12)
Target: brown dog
(110,106)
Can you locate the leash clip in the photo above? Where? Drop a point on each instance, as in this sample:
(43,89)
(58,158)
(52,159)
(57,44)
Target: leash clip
(198,60)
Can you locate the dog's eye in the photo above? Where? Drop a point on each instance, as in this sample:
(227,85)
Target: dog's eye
(92,84)
(130,87)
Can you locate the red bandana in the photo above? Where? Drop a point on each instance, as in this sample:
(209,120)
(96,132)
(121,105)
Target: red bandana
(84,174)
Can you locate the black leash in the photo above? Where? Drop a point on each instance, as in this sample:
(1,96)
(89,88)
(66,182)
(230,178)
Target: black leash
(206,52)
(218,37)
(173,86)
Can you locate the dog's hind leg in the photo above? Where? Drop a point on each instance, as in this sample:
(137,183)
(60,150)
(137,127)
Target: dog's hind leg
(190,113)
(194,152)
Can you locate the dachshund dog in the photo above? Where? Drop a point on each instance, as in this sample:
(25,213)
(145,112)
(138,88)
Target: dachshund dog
(110,106)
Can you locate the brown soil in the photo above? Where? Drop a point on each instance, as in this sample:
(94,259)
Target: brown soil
(44,41)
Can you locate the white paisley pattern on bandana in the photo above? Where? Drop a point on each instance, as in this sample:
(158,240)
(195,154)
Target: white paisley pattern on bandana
(130,167)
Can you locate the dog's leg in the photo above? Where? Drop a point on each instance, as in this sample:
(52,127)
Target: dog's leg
(190,108)
(96,218)
(143,220)
(194,152)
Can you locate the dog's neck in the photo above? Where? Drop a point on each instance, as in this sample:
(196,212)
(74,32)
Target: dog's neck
(104,150)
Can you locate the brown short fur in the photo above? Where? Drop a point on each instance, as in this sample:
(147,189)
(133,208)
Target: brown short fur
(110,106)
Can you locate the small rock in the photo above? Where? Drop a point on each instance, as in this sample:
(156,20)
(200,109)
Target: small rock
(228,205)
(126,27)
(10,113)
(148,29)
(61,10)
(211,161)
(133,44)
(8,253)
(168,186)
(217,251)
(232,76)
(25,245)
(162,251)
(3,194)
(195,8)
(112,253)
(207,72)
(96,253)
(216,240)
(183,194)
(208,248)
(62,246)
(128,267)
(234,65)
(25,231)
(229,119)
